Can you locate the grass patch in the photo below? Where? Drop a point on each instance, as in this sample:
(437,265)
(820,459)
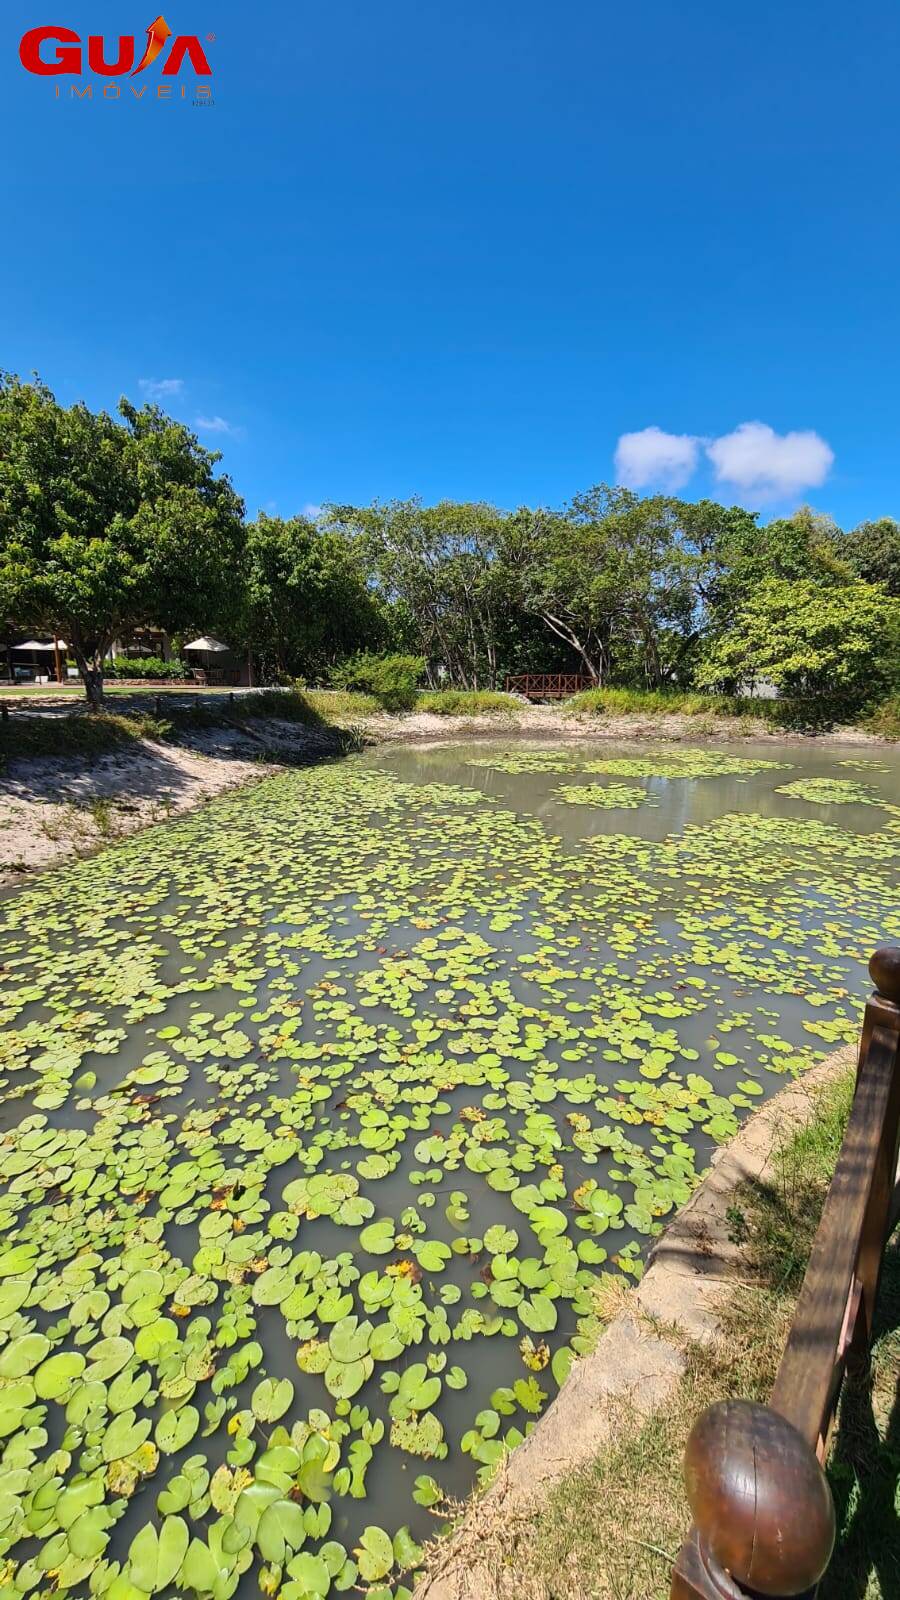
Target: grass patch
(609,1530)
(885,719)
(625,702)
(685,703)
(308,708)
(466,702)
(290,705)
(79,733)
(796,715)
(86,733)
(341,705)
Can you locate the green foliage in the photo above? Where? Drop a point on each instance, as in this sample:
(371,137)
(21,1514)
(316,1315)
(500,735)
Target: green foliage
(613,577)
(110,523)
(873,552)
(741,555)
(685,703)
(465,702)
(885,718)
(106,524)
(306,599)
(146,667)
(392,680)
(441,569)
(836,644)
(340,705)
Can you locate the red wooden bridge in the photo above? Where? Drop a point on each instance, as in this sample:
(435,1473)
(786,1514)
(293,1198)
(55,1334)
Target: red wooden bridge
(547,685)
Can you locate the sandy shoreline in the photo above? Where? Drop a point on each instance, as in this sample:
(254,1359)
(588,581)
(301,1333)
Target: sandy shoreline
(55,808)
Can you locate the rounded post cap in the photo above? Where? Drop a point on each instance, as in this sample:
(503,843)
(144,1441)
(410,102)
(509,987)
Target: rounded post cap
(761,1502)
(884,970)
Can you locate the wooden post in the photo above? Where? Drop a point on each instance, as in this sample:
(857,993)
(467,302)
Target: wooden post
(763,1513)
(59,673)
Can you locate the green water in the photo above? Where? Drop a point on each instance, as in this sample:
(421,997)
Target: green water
(326,1108)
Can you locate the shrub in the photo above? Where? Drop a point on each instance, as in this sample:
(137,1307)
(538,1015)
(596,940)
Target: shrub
(393,680)
(465,702)
(340,703)
(797,712)
(885,718)
(145,667)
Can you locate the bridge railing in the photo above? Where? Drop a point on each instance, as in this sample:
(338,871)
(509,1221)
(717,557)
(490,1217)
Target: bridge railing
(764,1521)
(547,685)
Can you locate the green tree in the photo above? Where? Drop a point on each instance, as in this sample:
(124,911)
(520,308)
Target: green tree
(873,551)
(613,577)
(106,525)
(307,600)
(833,644)
(739,555)
(438,566)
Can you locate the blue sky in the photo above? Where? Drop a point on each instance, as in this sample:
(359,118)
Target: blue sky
(461,250)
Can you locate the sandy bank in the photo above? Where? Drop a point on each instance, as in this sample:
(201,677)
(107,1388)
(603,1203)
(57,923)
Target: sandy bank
(551,722)
(52,808)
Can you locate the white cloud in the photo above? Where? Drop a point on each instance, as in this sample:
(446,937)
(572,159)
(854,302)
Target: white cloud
(311,510)
(768,464)
(654,457)
(216,425)
(160,388)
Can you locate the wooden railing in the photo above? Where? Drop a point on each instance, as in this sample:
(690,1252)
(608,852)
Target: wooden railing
(764,1520)
(547,685)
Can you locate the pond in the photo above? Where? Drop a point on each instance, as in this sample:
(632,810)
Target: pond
(333,1114)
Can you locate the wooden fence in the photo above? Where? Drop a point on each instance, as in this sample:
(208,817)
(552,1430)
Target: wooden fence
(547,685)
(763,1515)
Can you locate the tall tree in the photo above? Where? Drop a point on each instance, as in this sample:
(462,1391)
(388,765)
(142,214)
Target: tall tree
(308,603)
(873,551)
(106,525)
(837,644)
(741,555)
(438,563)
(612,576)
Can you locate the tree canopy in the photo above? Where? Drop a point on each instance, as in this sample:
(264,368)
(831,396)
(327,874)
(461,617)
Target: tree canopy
(106,524)
(835,644)
(873,551)
(307,603)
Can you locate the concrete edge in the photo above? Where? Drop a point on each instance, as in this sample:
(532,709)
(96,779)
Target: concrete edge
(640,1357)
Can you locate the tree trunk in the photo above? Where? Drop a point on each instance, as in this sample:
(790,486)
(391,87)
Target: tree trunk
(563,631)
(91,668)
(92,678)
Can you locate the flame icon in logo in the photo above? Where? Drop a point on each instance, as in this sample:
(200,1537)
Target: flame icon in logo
(157,34)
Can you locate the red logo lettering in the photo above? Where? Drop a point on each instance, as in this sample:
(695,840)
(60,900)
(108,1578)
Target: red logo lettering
(68,53)
(67,57)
